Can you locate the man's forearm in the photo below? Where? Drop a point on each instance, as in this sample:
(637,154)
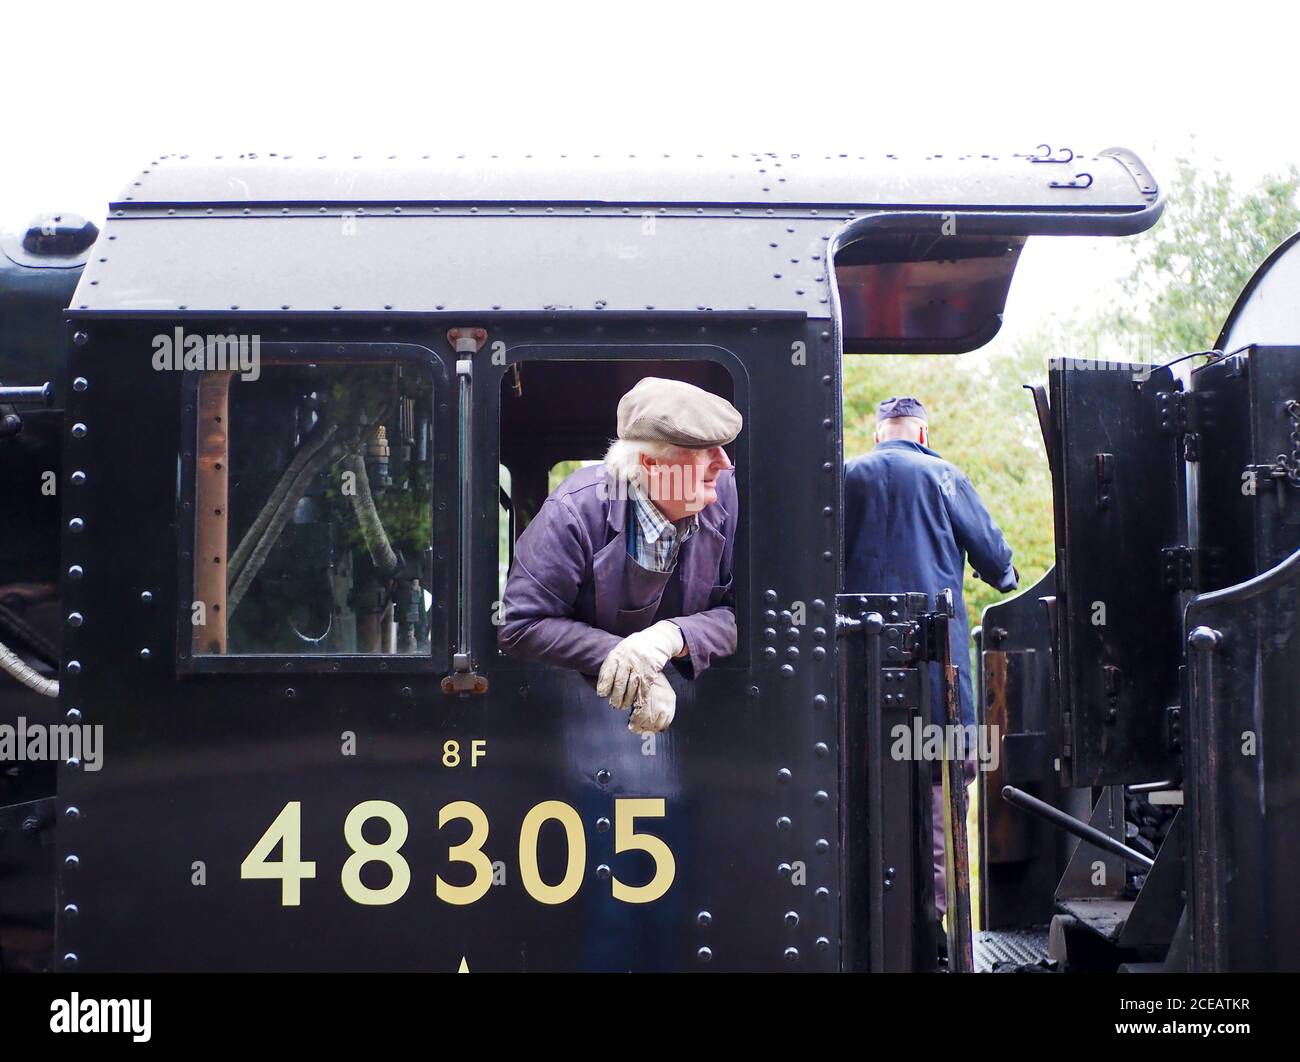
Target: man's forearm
(708,636)
(557,640)
(1006,580)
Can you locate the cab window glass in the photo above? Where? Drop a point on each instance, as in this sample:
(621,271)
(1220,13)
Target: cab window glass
(313,511)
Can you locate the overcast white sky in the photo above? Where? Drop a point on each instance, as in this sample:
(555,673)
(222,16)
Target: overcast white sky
(94,91)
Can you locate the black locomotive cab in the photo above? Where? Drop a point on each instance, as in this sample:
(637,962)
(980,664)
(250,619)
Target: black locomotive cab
(311,405)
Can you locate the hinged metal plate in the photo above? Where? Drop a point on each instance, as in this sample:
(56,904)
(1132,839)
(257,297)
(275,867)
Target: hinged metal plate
(1118,492)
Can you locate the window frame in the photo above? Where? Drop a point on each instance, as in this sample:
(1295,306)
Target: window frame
(444,503)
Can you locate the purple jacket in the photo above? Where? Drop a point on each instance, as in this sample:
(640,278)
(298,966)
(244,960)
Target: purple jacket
(574,593)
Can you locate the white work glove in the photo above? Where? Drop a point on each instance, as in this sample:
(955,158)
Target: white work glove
(633,664)
(655,710)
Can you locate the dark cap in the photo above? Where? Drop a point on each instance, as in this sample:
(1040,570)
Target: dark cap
(904,406)
(671,411)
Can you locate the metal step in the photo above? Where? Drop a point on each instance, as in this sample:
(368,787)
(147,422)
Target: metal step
(1106,918)
(997,949)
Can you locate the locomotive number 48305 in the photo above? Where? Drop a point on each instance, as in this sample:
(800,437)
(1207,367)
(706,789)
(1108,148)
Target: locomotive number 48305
(291,869)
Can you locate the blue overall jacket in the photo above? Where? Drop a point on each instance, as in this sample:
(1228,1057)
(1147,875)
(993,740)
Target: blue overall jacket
(910,521)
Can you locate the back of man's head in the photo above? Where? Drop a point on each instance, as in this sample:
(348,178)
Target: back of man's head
(902,417)
(910,429)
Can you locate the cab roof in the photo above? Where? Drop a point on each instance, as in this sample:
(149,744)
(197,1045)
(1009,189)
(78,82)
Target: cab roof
(1116,181)
(641,233)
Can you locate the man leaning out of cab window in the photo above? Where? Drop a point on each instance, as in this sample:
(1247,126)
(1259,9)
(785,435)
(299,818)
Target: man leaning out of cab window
(627,564)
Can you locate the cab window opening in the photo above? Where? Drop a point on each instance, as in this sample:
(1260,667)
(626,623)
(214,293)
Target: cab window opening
(559,416)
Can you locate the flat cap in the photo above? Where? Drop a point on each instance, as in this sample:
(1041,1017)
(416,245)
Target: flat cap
(671,411)
(903,406)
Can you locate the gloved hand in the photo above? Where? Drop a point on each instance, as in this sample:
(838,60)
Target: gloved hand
(655,709)
(633,664)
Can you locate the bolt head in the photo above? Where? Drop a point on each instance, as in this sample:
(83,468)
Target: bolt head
(1204,639)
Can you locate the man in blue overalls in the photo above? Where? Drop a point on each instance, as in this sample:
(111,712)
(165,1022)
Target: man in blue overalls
(910,521)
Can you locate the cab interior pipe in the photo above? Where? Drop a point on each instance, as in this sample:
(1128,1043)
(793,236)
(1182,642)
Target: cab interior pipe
(14,665)
(1070,824)
(276,521)
(310,447)
(372,527)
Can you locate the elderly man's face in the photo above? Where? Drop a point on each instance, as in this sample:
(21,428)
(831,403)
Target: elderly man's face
(687,482)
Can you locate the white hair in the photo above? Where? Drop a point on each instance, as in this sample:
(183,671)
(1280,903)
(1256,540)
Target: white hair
(900,428)
(623,458)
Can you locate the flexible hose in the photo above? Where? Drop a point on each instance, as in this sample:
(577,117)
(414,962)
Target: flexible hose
(372,527)
(275,524)
(256,533)
(12,663)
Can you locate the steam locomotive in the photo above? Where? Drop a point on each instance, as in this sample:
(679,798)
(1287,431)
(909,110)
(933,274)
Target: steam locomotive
(270,436)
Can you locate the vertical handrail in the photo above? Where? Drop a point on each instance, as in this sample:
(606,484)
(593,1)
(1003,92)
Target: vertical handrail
(465,435)
(463,679)
(961,958)
(873,623)
(1206,909)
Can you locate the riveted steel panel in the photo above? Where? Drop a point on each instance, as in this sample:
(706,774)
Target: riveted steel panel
(197,766)
(404,264)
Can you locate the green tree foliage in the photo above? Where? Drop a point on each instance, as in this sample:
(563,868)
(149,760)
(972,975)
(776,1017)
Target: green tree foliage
(1189,269)
(1186,274)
